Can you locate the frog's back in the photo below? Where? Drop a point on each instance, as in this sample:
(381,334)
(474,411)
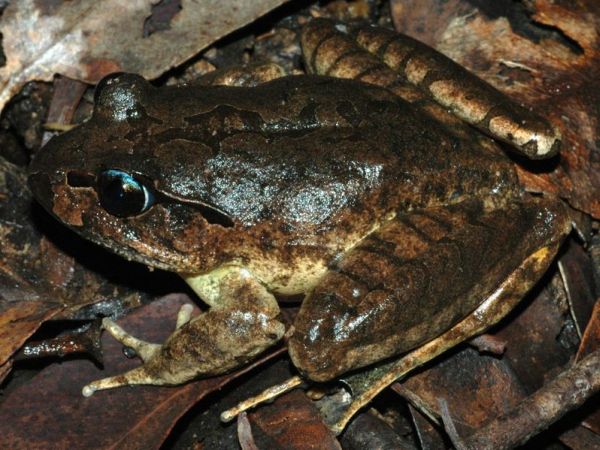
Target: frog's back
(302,150)
(307,148)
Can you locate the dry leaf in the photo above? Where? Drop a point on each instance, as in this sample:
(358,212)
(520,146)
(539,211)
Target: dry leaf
(139,417)
(292,422)
(87,39)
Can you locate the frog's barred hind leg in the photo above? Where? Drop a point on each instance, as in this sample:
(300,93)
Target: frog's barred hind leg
(495,307)
(433,74)
(145,350)
(417,276)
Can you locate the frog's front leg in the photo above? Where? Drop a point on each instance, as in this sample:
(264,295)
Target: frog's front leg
(240,324)
(419,276)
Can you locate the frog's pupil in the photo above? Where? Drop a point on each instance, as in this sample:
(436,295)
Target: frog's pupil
(122,195)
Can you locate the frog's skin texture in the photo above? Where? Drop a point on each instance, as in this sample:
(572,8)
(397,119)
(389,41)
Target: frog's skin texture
(395,219)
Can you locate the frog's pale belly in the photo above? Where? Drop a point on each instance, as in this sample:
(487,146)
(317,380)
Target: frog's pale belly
(396,221)
(298,272)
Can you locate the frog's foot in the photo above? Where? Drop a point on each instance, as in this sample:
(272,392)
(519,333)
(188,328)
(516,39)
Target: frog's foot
(145,350)
(135,376)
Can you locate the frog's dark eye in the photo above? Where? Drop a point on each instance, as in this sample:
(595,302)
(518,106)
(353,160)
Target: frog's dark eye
(123,195)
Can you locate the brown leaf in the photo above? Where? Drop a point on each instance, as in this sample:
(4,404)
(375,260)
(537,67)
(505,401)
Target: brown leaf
(430,437)
(476,388)
(568,391)
(368,430)
(590,343)
(292,422)
(139,417)
(19,320)
(550,60)
(577,275)
(591,336)
(536,337)
(87,39)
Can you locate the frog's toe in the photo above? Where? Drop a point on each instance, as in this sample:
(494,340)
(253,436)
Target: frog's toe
(145,350)
(139,375)
(184,315)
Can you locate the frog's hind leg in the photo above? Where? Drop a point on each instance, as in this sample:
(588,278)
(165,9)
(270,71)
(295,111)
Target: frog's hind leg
(331,50)
(327,50)
(418,276)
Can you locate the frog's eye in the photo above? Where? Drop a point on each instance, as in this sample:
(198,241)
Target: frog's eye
(122,195)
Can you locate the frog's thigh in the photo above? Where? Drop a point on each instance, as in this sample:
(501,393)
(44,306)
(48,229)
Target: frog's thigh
(416,277)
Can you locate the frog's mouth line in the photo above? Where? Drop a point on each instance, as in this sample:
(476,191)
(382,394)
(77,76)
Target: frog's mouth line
(129,252)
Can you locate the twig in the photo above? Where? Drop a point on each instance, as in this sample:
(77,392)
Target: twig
(567,391)
(449,425)
(244,430)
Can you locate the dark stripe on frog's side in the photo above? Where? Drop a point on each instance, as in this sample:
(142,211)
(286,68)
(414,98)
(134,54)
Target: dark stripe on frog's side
(200,126)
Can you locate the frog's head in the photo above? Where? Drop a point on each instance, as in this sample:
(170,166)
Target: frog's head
(120,181)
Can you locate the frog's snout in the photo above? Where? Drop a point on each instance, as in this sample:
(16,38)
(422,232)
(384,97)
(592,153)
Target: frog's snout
(41,187)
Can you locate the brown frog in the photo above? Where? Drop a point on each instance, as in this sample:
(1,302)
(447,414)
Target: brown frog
(393,216)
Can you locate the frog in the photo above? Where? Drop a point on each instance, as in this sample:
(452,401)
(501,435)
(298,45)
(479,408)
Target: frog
(375,186)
